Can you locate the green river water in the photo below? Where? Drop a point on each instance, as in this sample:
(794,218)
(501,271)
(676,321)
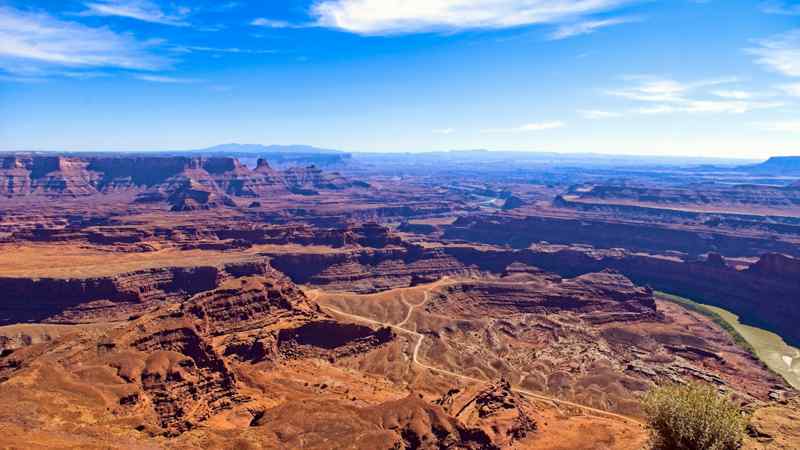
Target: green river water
(769,347)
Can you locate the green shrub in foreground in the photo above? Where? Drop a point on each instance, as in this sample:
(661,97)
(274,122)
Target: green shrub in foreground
(693,417)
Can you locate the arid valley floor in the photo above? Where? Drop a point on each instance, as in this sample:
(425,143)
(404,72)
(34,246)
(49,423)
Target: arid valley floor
(315,301)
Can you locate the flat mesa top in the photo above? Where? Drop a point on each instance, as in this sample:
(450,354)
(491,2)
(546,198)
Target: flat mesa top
(56,260)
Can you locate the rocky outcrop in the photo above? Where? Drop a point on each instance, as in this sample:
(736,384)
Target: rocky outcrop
(174,370)
(406,423)
(235,179)
(310,179)
(512,202)
(774,426)
(330,339)
(505,416)
(601,297)
(189,195)
(249,304)
(368,270)
(777,266)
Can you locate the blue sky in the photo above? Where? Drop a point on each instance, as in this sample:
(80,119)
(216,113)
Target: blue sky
(673,77)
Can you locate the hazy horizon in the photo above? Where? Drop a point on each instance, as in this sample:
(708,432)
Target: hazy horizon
(609,155)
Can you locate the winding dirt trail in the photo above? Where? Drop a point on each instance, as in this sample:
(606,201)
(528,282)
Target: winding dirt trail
(420,337)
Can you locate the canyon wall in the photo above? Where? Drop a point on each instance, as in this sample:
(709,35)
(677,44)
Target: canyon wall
(521,232)
(61,176)
(66,300)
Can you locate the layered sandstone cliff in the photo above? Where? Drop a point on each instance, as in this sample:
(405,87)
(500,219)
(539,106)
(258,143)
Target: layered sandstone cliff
(156,178)
(101,298)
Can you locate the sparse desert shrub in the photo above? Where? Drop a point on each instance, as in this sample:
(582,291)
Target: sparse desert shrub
(693,417)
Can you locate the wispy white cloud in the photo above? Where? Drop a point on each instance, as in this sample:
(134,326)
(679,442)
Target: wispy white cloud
(223,6)
(792,89)
(781,7)
(166,79)
(733,94)
(38,44)
(664,95)
(535,126)
(42,76)
(792,126)
(650,88)
(235,50)
(83,74)
(780,53)
(272,23)
(588,27)
(21,79)
(144,10)
(732,107)
(594,114)
(708,106)
(444,131)
(382,17)
(656,109)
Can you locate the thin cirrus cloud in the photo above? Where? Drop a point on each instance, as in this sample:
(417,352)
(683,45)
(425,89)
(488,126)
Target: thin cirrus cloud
(271,23)
(528,127)
(388,17)
(780,53)
(166,79)
(596,114)
(733,94)
(444,131)
(664,95)
(39,44)
(233,50)
(783,8)
(143,10)
(792,126)
(587,27)
(792,89)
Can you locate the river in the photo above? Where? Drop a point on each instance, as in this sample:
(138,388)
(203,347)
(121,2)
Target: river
(770,348)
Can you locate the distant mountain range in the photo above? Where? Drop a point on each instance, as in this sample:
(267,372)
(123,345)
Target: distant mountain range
(779,165)
(268,149)
(278,155)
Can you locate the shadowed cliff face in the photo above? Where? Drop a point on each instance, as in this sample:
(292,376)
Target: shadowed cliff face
(96,299)
(736,196)
(651,236)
